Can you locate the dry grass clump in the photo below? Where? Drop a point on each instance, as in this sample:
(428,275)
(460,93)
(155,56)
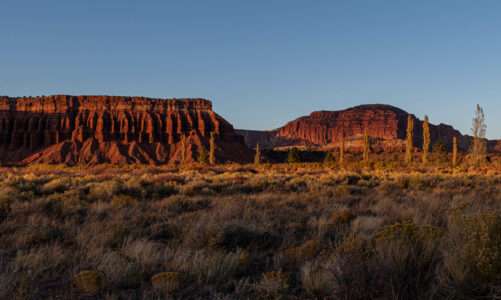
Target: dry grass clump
(300,231)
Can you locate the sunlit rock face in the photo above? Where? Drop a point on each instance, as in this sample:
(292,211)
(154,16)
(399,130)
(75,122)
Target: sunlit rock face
(112,129)
(385,124)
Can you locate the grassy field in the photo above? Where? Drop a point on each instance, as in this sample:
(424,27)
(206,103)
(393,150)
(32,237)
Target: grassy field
(244,232)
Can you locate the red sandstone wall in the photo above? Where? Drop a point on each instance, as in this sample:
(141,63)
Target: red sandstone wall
(94,129)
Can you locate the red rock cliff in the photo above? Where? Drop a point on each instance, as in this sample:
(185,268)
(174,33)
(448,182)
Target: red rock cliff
(386,125)
(112,129)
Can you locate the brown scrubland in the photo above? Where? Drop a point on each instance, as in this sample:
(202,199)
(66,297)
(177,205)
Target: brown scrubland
(381,229)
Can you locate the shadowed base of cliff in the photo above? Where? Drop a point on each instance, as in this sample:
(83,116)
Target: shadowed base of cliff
(92,151)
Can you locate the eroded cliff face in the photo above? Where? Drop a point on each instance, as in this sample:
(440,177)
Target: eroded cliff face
(386,125)
(112,129)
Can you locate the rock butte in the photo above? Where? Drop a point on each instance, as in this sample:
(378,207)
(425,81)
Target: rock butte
(113,129)
(386,126)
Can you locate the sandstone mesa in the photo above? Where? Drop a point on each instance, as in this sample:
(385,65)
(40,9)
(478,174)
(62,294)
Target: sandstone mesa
(112,129)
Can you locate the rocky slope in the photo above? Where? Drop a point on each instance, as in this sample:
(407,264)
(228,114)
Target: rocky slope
(386,126)
(112,129)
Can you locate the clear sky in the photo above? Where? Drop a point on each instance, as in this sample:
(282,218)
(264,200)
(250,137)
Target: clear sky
(262,62)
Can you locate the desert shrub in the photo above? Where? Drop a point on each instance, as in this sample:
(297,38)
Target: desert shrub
(89,282)
(303,252)
(233,237)
(409,233)
(366,225)
(341,217)
(180,205)
(439,152)
(316,278)
(330,159)
(157,191)
(274,284)
(147,254)
(167,282)
(405,257)
(163,232)
(31,236)
(120,201)
(342,190)
(104,190)
(5,202)
(56,185)
(472,257)
(115,267)
(211,267)
(336,225)
(357,271)
(293,156)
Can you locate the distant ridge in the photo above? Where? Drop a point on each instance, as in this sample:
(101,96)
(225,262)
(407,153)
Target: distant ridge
(386,126)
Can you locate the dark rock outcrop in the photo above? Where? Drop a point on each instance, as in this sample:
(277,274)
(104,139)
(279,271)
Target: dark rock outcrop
(112,129)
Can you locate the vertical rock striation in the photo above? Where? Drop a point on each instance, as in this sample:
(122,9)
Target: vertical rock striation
(112,129)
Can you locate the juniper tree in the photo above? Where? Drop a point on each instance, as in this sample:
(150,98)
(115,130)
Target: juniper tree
(329,158)
(212,148)
(257,156)
(426,139)
(293,156)
(479,129)
(410,139)
(366,147)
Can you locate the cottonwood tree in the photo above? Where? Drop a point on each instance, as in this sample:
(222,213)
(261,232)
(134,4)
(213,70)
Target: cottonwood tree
(410,139)
(341,150)
(202,155)
(426,139)
(183,148)
(212,148)
(366,147)
(454,151)
(479,130)
(257,156)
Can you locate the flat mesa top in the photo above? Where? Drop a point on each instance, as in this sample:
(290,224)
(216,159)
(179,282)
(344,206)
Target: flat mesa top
(100,102)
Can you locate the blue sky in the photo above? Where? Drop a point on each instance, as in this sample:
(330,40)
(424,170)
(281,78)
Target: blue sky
(262,62)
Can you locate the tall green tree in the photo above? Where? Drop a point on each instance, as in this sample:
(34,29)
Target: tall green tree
(341,150)
(257,156)
(479,130)
(183,148)
(409,149)
(366,147)
(202,155)
(212,148)
(454,151)
(426,139)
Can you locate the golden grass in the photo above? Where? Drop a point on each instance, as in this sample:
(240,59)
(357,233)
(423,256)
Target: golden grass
(303,231)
